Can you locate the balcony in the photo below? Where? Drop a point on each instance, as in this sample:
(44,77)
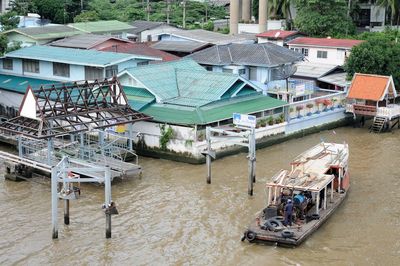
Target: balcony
(391,111)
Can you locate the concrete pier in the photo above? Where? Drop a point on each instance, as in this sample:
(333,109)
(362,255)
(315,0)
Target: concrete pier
(246,10)
(234,17)
(262,15)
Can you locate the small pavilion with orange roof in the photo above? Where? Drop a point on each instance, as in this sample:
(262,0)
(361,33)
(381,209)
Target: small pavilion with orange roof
(373,95)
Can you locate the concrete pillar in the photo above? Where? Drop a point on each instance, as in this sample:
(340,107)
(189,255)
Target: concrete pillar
(262,15)
(246,10)
(234,17)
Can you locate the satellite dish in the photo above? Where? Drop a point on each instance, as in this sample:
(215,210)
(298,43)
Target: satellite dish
(287,71)
(277,34)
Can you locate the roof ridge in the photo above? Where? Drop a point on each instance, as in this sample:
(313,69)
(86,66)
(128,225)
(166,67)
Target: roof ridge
(230,55)
(219,56)
(266,54)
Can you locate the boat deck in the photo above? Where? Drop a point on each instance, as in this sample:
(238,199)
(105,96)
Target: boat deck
(301,231)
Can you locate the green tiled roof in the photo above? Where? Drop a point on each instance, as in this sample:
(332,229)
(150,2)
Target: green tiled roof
(70,56)
(102,26)
(20,84)
(220,110)
(138,97)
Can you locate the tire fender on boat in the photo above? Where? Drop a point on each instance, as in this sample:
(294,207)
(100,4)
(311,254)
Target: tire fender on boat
(251,236)
(315,216)
(287,233)
(273,223)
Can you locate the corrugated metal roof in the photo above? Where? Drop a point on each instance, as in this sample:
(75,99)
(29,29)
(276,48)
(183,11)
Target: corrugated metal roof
(47,32)
(213,112)
(277,34)
(84,41)
(20,84)
(184,82)
(180,46)
(206,36)
(103,26)
(338,79)
(264,54)
(325,42)
(71,56)
(313,70)
(142,25)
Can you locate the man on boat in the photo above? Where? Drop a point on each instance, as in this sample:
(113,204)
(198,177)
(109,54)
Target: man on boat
(288,213)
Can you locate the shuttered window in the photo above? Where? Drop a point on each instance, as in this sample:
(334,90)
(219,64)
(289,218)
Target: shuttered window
(252,73)
(7,64)
(92,73)
(111,71)
(60,69)
(31,66)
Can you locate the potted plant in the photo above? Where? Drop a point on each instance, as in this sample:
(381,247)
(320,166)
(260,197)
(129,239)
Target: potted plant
(326,104)
(270,121)
(263,123)
(318,102)
(309,107)
(298,109)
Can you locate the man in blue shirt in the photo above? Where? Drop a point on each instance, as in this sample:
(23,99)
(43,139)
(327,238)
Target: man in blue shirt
(288,213)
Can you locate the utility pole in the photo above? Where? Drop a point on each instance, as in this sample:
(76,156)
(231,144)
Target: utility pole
(206,3)
(148,10)
(168,10)
(184,14)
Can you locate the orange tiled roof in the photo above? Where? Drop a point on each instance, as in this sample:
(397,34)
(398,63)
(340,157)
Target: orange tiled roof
(368,87)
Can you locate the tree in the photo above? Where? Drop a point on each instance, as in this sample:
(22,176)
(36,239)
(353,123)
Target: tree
(3,44)
(9,20)
(394,6)
(323,17)
(87,16)
(378,55)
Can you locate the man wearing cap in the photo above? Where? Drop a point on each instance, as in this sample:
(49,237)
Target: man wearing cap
(288,213)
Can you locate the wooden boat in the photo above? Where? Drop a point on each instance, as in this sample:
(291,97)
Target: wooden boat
(316,185)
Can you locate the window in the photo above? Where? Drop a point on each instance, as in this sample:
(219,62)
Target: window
(252,73)
(92,73)
(7,64)
(322,54)
(208,68)
(149,38)
(304,51)
(227,70)
(60,69)
(111,71)
(31,66)
(242,71)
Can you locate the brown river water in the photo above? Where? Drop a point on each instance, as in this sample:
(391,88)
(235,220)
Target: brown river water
(170,216)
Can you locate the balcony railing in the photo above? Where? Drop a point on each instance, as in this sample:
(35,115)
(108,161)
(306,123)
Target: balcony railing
(390,111)
(360,109)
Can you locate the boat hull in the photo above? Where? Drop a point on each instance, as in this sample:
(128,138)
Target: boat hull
(300,232)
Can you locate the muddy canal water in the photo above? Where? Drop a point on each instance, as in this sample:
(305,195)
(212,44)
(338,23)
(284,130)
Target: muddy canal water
(170,216)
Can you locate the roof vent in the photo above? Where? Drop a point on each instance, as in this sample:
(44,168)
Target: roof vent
(277,34)
(329,37)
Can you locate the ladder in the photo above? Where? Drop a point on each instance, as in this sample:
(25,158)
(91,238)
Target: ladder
(379,123)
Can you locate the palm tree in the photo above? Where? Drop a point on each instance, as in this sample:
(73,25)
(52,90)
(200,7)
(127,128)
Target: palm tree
(394,6)
(282,7)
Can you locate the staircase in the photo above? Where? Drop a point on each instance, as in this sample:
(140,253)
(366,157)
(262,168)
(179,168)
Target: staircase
(379,123)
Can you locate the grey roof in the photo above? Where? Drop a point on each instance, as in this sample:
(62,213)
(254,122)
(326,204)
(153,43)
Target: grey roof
(264,54)
(47,32)
(313,70)
(84,41)
(179,46)
(142,25)
(338,79)
(206,36)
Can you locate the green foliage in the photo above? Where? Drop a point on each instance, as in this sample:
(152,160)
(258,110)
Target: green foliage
(323,18)
(87,16)
(9,20)
(14,46)
(3,44)
(166,135)
(55,10)
(380,54)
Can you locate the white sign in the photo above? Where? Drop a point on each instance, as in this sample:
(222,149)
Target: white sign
(244,120)
(300,89)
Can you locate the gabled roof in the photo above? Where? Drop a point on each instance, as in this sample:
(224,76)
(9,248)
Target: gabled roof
(180,46)
(264,54)
(73,56)
(20,83)
(142,25)
(85,41)
(140,49)
(371,87)
(46,32)
(102,26)
(277,34)
(325,42)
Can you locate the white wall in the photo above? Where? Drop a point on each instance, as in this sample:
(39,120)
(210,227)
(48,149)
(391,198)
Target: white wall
(264,40)
(254,28)
(334,57)
(155,32)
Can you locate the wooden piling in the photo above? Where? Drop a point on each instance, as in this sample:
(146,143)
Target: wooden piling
(54,203)
(107,192)
(208,156)
(66,211)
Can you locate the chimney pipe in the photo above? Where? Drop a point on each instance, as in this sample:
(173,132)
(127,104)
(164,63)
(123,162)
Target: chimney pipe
(234,17)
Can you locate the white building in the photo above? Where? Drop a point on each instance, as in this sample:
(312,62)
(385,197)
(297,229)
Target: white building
(323,50)
(148,31)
